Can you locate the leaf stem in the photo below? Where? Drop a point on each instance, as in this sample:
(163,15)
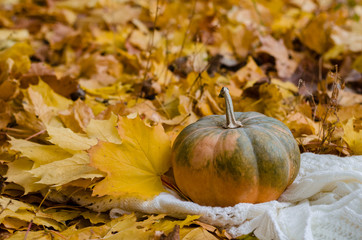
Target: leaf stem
(230,117)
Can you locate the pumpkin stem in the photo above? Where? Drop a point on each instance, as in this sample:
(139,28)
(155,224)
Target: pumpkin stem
(230,117)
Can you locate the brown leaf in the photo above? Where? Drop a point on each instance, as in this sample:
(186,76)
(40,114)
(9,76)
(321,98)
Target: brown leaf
(251,73)
(59,35)
(315,34)
(99,71)
(77,116)
(36,71)
(64,86)
(5,114)
(174,235)
(285,63)
(117,108)
(9,89)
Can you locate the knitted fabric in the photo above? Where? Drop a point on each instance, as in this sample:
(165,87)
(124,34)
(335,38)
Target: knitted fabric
(324,202)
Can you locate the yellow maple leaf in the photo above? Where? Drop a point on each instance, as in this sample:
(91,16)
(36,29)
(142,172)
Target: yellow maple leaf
(49,97)
(352,137)
(249,74)
(18,172)
(69,169)
(39,153)
(135,166)
(69,140)
(16,214)
(104,130)
(19,53)
(199,233)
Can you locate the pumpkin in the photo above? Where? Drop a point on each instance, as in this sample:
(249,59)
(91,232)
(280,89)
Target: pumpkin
(241,157)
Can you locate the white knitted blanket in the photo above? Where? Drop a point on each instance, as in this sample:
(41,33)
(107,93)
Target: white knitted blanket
(324,202)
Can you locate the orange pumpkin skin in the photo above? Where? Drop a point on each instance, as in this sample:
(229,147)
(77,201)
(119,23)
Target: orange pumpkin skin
(217,166)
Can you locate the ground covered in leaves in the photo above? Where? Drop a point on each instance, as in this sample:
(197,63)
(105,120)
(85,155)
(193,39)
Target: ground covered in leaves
(92,94)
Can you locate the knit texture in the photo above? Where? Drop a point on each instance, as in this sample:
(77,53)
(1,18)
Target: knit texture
(324,202)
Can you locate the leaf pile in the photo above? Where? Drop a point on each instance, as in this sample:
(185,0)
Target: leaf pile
(92,94)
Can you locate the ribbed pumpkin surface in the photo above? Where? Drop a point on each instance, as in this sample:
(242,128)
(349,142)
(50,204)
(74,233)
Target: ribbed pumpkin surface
(216,166)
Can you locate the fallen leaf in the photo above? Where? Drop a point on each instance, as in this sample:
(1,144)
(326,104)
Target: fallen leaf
(94,217)
(300,124)
(64,86)
(145,109)
(39,153)
(19,35)
(69,140)
(135,166)
(49,97)
(346,113)
(104,130)
(77,116)
(5,114)
(167,226)
(127,226)
(249,74)
(99,71)
(19,53)
(352,40)
(37,71)
(8,89)
(285,63)
(315,34)
(74,233)
(199,234)
(18,173)
(23,215)
(59,35)
(39,235)
(121,14)
(240,38)
(69,169)
(352,137)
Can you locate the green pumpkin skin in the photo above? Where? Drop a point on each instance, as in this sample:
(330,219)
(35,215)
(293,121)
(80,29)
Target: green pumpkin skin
(218,166)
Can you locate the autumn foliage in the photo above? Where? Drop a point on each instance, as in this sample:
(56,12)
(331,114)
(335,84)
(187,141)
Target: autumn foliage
(93,93)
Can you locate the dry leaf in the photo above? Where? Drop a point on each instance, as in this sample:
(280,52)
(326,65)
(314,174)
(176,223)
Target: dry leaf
(77,116)
(104,130)
(39,153)
(135,166)
(352,137)
(285,64)
(69,169)
(249,74)
(69,140)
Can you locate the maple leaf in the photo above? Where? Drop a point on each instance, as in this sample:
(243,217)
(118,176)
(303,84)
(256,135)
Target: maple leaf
(284,64)
(104,130)
(5,114)
(68,169)
(315,34)
(39,153)
(19,53)
(127,226)
(352,137)
(49,97)
(17,215)
(77,116)
(8,89)
(69,140)
(249,74)
(64,86)
(135,166)
(18,172)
